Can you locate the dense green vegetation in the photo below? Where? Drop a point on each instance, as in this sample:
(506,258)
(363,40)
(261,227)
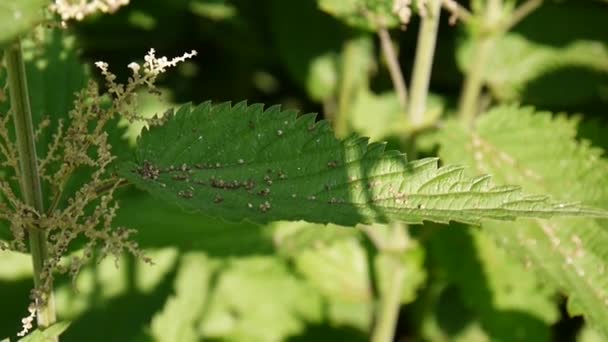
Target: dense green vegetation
(474,211)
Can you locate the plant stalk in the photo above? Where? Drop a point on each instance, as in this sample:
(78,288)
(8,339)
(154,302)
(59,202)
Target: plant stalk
(469,100)
(392,62)
(522,12)
(390,302)
(31,188)
(423,63)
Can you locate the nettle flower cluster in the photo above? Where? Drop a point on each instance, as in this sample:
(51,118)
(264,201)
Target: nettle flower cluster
(403,9)
(79,150)
(79,9)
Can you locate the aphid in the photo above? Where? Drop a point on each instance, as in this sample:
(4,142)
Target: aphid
(332,164)
(185,194)
(218,199)
(249,185)
(218,183)
(180,177)
(264,207)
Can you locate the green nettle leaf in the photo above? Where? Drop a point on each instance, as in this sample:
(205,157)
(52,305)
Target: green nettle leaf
(364,14)
(517,65)
(49,334)
(241,162)
(177,321)
(284,303)
(540,152)
(17,17)
(167,225)
(310,56)
(498,289)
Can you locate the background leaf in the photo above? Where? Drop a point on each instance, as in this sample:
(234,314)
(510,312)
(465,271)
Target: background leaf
(17,17)
(365,14)
(540,152)
(517,63)
(49,334)
(508,300)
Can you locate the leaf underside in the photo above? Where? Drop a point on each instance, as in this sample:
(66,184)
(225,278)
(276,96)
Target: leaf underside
(243,162)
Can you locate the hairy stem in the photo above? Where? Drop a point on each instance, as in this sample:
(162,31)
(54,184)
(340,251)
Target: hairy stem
(390,55)
(457,11)
(350,83)
(29,178)
(390,243)
(469,99)
(390,302)
(423,63)
(521,12)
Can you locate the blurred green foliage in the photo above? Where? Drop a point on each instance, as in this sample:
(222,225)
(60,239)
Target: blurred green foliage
(297,281)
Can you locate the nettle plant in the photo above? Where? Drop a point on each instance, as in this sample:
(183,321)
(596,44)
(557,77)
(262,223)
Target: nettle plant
(62,169)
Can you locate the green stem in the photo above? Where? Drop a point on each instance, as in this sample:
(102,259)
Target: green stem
(30,179)
(423,63)
(522,12)
(354,57)
(390,302)
(391,243)
(469,100)
(392,62)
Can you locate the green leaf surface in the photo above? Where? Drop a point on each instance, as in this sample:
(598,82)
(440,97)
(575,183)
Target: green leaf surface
(540,152)
(365,14)
(517,65)
(339,270)
(17,17)
(498,289)
(178,319)
(49,334)
(310,55)
(388,119)
(283,302)
(162,225)
(241,162)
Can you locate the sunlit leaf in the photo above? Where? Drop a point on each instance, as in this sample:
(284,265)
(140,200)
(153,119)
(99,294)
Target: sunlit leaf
(241,162)
(17,17)
(49,334)
(540,152)
(365,14)
(517,64)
